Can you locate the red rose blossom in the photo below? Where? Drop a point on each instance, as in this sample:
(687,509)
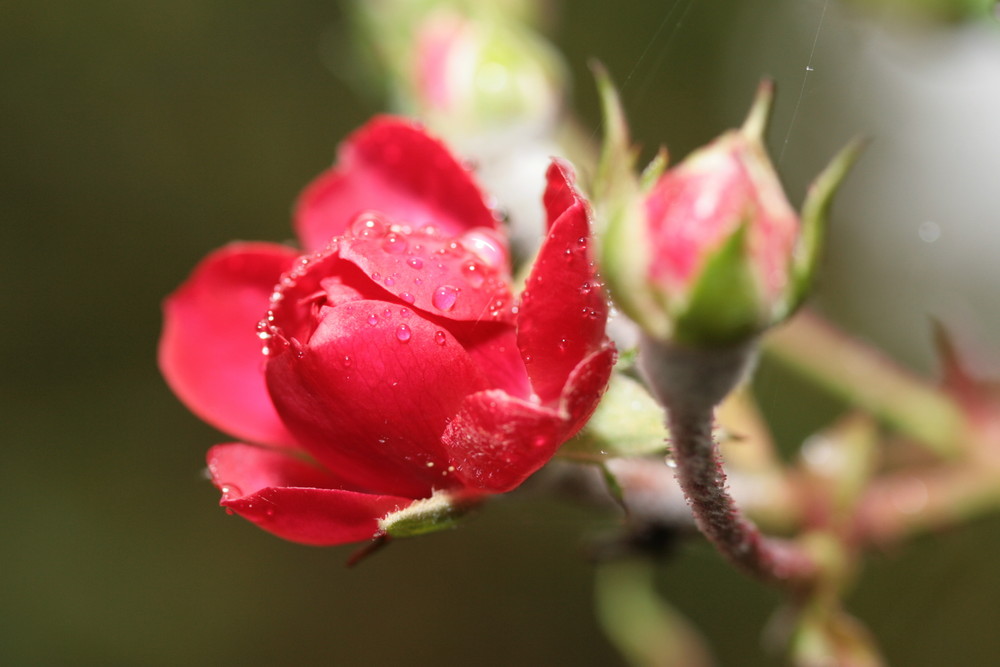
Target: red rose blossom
(397,363)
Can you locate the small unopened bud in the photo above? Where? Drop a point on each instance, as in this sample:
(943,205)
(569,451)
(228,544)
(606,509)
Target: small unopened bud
(483,73)
(709,253)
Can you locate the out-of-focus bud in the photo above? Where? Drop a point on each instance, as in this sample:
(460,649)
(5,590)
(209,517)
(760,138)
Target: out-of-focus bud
(483,74)
(709,253)
(461,67)
(483,77)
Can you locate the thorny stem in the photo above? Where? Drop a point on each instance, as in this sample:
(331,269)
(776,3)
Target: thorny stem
(701,477)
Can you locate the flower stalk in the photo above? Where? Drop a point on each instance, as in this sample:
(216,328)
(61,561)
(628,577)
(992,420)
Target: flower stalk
(690,383)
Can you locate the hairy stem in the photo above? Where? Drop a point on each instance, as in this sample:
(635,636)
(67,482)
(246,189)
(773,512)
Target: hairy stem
(689,382)
(700,475)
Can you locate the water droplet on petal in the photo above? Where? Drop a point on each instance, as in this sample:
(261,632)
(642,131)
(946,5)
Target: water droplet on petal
(387,313)
(415,262)
(368,225)
(394,244)
(230,491)
(407,297)
(487,246)
(347,361)
(445,297)
(474,274)
(373,319)
(440,338)
(389,282)
(403,333)
(404,313)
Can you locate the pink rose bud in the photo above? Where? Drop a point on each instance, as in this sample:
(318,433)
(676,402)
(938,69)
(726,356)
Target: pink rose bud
(387,375)
(475,73)
(709,253)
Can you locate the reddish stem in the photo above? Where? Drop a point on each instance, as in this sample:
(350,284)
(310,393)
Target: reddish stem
(700,475)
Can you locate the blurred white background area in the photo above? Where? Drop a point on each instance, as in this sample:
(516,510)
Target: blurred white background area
(916,231)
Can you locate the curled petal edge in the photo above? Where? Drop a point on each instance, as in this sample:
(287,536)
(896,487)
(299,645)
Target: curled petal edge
(208,351)
(294,500)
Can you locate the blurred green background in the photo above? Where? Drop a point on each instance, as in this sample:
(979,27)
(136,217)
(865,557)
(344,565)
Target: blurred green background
(137,136)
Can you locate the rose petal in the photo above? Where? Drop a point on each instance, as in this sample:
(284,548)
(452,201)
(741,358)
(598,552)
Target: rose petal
(371,392)
(494,351)
(433,272)
(209,351)
(563,310)
(496,441)
(560,191)
(586,386)
(392,166)
(293,499)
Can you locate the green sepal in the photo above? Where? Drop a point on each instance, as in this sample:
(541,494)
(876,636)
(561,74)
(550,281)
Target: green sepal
(427,515)
(628,422)
(760,111)
(619,202)
(815,211)
(616,168)
(651,174)
(724,307)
